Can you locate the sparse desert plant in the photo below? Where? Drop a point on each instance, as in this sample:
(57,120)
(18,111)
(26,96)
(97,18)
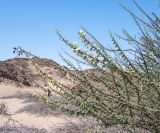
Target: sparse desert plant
(3,109)
(126,91)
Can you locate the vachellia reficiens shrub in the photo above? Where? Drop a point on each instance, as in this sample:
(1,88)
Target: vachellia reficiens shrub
(124,87)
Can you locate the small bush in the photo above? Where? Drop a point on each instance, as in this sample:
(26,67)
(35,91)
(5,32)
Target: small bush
(3,109)
(125,87)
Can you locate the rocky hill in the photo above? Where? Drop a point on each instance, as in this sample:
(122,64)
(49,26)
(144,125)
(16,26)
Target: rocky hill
(22,70)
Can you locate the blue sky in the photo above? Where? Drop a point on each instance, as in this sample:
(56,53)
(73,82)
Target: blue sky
(31,23)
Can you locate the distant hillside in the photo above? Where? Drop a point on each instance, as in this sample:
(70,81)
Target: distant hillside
(22,70)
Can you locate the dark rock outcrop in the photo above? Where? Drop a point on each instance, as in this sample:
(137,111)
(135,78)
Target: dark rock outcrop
(23,70)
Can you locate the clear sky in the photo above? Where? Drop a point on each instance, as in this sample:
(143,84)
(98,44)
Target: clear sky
(31,23)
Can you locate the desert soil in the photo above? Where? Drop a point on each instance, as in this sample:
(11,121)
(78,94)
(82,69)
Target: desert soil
(29,112)
(28,115)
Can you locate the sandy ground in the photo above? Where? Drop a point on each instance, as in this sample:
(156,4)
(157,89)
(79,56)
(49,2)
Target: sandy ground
(29,112)
(28,115)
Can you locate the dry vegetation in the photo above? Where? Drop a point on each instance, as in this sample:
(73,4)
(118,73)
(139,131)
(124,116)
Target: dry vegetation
(121,91)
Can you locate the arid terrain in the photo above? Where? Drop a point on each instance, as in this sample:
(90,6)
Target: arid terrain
(20,112)
(25,114)
(18,77)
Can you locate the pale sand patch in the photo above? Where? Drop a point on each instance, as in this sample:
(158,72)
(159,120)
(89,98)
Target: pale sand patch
(30,112)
